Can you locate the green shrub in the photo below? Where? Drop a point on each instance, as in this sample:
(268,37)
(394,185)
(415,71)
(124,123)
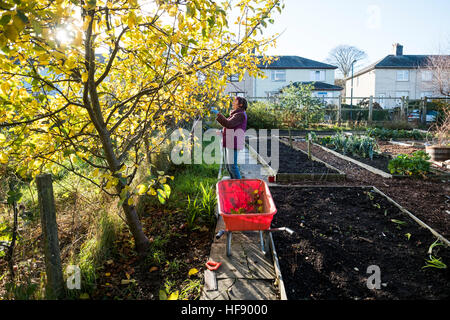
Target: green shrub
(262,115)
(415,164)
(387,134)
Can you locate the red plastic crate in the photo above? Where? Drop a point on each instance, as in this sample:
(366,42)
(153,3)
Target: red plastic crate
(237,193)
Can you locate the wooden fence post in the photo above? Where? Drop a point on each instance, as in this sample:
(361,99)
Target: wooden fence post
(339,113)
(404,109)
(370,110)
(55,281)
(424,111)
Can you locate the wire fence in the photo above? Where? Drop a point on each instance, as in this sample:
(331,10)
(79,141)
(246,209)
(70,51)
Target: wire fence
(373,110)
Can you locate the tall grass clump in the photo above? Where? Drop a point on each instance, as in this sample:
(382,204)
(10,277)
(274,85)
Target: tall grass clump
(98,248)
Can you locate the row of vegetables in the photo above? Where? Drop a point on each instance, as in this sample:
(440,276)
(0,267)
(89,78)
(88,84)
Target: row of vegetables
(366,146)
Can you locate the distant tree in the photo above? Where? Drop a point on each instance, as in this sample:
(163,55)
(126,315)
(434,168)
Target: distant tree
(299,106)
(439,65)
(342,57)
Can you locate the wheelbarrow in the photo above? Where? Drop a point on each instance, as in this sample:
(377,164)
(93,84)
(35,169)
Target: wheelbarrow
(245,205)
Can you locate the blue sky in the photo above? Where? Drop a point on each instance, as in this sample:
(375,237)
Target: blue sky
(313,28)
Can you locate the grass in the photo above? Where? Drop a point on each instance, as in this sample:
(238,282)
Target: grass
(97,249)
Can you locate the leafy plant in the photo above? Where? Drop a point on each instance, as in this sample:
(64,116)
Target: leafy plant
(414,164)
(201,207)
(363,146)
(434,262)
(167,293)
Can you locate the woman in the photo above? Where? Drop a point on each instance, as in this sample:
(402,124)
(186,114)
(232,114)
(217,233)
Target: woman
(233,134)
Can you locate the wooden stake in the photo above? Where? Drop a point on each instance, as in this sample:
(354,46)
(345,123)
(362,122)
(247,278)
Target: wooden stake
(55,282)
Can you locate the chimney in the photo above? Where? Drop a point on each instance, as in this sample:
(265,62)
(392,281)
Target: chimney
(398,49)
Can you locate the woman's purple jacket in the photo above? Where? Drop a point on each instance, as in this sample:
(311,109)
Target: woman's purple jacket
(233,134)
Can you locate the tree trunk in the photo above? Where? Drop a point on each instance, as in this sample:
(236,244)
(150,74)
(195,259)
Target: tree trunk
(140,239)
(92,104)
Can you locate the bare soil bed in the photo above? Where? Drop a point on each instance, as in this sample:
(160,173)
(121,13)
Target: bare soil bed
(294,161)
(427,199)
(395,150)
(339,233)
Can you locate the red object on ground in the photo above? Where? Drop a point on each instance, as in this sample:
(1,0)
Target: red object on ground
(239,193)
(212,265)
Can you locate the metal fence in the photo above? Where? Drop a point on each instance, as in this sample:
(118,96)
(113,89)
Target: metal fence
(372,110)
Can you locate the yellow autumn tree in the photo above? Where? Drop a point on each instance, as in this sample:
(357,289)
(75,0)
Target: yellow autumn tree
(97,82)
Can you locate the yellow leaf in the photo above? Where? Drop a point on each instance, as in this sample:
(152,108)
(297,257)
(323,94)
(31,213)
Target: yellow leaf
(152,269)
(130,201)
(18,23)
(192,271)
(78,41)
(108,274)
(131,21)
(142,189)
(5,87)
(3,158)
(10,32)
(151,192)
(84,76)
(84,296)
(173,296)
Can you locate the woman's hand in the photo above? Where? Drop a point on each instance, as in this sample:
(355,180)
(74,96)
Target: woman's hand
(214,110)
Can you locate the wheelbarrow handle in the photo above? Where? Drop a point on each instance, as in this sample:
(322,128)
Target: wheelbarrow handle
(219,234)
(290,231)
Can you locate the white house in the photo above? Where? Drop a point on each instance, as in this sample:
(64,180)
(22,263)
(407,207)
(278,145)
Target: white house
(396,75)
(282,72)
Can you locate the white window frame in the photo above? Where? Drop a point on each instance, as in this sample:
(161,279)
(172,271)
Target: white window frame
(427,75)
(402,75)
(382,100)
(234,77)
(314,73)
(278,75)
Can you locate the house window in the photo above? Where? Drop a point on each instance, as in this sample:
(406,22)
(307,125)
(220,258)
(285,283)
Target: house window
(278,75)
(402,75)
(427,75)
(400,94)
(318,75)
(237,94)
(271,94)
(427,94)
(234,78)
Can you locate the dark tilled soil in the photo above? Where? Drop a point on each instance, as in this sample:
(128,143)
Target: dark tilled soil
(379,161)
(339,233)
(294,161)
(427,199)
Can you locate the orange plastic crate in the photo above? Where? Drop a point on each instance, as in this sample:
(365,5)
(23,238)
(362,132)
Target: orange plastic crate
(237,193)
